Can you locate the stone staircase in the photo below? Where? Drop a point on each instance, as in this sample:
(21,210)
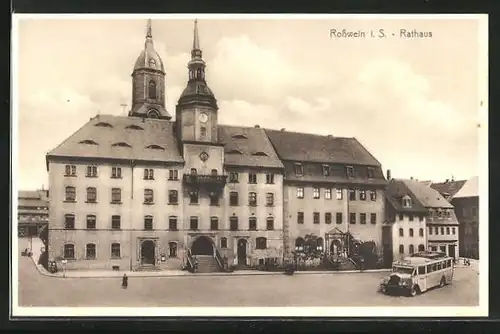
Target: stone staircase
(207,264)
(148,268)
(344,263)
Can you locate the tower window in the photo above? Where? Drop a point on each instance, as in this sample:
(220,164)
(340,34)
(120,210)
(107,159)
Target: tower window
(203,131)
(152,90)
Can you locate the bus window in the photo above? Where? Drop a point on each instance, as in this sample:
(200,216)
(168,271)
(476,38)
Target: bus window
(434,267)
(421,270)
(439,265)
(449,263)
(429,269)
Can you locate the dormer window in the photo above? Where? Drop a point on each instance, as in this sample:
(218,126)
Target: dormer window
(88,142)
(239,136)
(370,172)
(121,144)
(104,125)
(406,202)
(326,170)
(152,63)
(234,152)
(134,127)
(153,114)
(299,169)
(155,147)
(260,154)
(350,171)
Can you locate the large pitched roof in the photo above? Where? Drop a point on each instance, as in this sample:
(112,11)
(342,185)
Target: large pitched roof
(396,190)
(32,194)
(111,137)
(244,146)
(297,146)
(448,188)
(469,189)
(429,197)
(32,202)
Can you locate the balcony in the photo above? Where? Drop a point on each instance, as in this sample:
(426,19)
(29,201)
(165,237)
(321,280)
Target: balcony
(201,181)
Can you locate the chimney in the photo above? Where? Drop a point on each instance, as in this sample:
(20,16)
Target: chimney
(388,175)
(256,126)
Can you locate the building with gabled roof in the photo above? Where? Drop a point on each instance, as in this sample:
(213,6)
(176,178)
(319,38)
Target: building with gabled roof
(146,192)
(32,212)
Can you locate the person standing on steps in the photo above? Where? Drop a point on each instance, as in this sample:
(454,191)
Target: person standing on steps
(124,281)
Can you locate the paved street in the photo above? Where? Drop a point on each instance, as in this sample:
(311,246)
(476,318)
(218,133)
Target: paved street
(358,289)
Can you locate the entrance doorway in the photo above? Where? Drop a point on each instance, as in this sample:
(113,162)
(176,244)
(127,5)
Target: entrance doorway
(242,252)
(336,247)
(148,252)
(202,246)
(172,249)
(451,251)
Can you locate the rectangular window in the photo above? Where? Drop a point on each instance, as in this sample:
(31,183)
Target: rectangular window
(233,198)
(338,194)
(223,243)
(447,231)
(436,230)
(300,217)
(69,222)
(401,217)
(326,170)
(116,195)
(421,270)
(203,131)
(233,177)
(453,231)
(91,194)
(148,196)
(430,230)
(299,169)
(172,223)
(270,223)
(442,230)
(214,199)
(91,224)
(233,223)
(362,195)
(173,197)
(252,223)
(214,223)
(90,252)
(362,218)
(70,170)
(148,223)
(352,194)
(350,171)
(116,172)
(328,217)
(328,193)
(300,192)
(270,199)
(338,217)
(70,194)
(91,171)
(373,195)
(269,178)
(373,218)
(421,218)
(149,174)
(193,223)
(252,199)
(473,211)
(410,217)
(316,217)
(173,174)
(315,193)
(252,178)
(193,197)
(115,222)
(352,218)
(370,172)
(261,243)
(115,251)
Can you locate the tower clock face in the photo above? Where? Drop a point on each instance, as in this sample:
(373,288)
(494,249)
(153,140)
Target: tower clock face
(203,117)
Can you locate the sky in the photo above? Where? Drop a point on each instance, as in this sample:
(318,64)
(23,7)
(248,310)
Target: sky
(413,103)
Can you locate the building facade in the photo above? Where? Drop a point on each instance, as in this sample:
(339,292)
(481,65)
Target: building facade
(146,191)
(32,212)
(464,196)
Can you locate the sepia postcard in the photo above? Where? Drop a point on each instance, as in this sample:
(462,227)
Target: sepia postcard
(250,165)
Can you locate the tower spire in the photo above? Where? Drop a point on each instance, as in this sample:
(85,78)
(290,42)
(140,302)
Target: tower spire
(149,33)
(196,39)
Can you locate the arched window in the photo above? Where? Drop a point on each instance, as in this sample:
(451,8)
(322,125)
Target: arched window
(421,248)
(299,243)
(261,243)
(401,233)
(319,244)
(421,232)
(90,252)
(214,171)
(412,249)
(194,171)
(152,90)
(401,249)
(270,223)
(411,232)
(69,251)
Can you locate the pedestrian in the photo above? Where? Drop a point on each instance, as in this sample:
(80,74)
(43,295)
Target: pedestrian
(124,281)
(468,262)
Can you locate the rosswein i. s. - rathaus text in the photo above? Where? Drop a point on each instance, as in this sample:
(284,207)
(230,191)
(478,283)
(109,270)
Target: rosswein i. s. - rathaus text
(146,191)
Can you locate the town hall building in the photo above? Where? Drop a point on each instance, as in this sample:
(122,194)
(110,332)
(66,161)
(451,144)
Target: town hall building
(147,191)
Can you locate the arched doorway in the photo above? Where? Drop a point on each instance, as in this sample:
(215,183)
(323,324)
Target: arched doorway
(336,247)
(242,252)
(202,246)
(148,252)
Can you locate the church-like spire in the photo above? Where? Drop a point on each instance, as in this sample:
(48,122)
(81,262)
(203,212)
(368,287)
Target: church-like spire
(149,34)
(196,53)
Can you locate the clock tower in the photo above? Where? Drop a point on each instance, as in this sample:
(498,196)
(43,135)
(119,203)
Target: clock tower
(196,112)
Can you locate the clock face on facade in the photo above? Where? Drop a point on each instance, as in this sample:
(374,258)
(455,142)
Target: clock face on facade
(204,156)
(203,117)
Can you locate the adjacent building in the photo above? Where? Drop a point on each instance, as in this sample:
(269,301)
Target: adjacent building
(32,212)
(464,195)
(145,191)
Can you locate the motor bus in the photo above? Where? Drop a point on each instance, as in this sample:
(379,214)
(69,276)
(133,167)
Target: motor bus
(419,273)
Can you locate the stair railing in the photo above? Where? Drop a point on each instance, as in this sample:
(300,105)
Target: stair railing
(189,258)
(218,258)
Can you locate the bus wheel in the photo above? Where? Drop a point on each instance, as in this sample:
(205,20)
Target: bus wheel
(414,290)
(443,282)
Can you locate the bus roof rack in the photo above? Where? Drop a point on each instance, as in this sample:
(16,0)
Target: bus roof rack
(429,255)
